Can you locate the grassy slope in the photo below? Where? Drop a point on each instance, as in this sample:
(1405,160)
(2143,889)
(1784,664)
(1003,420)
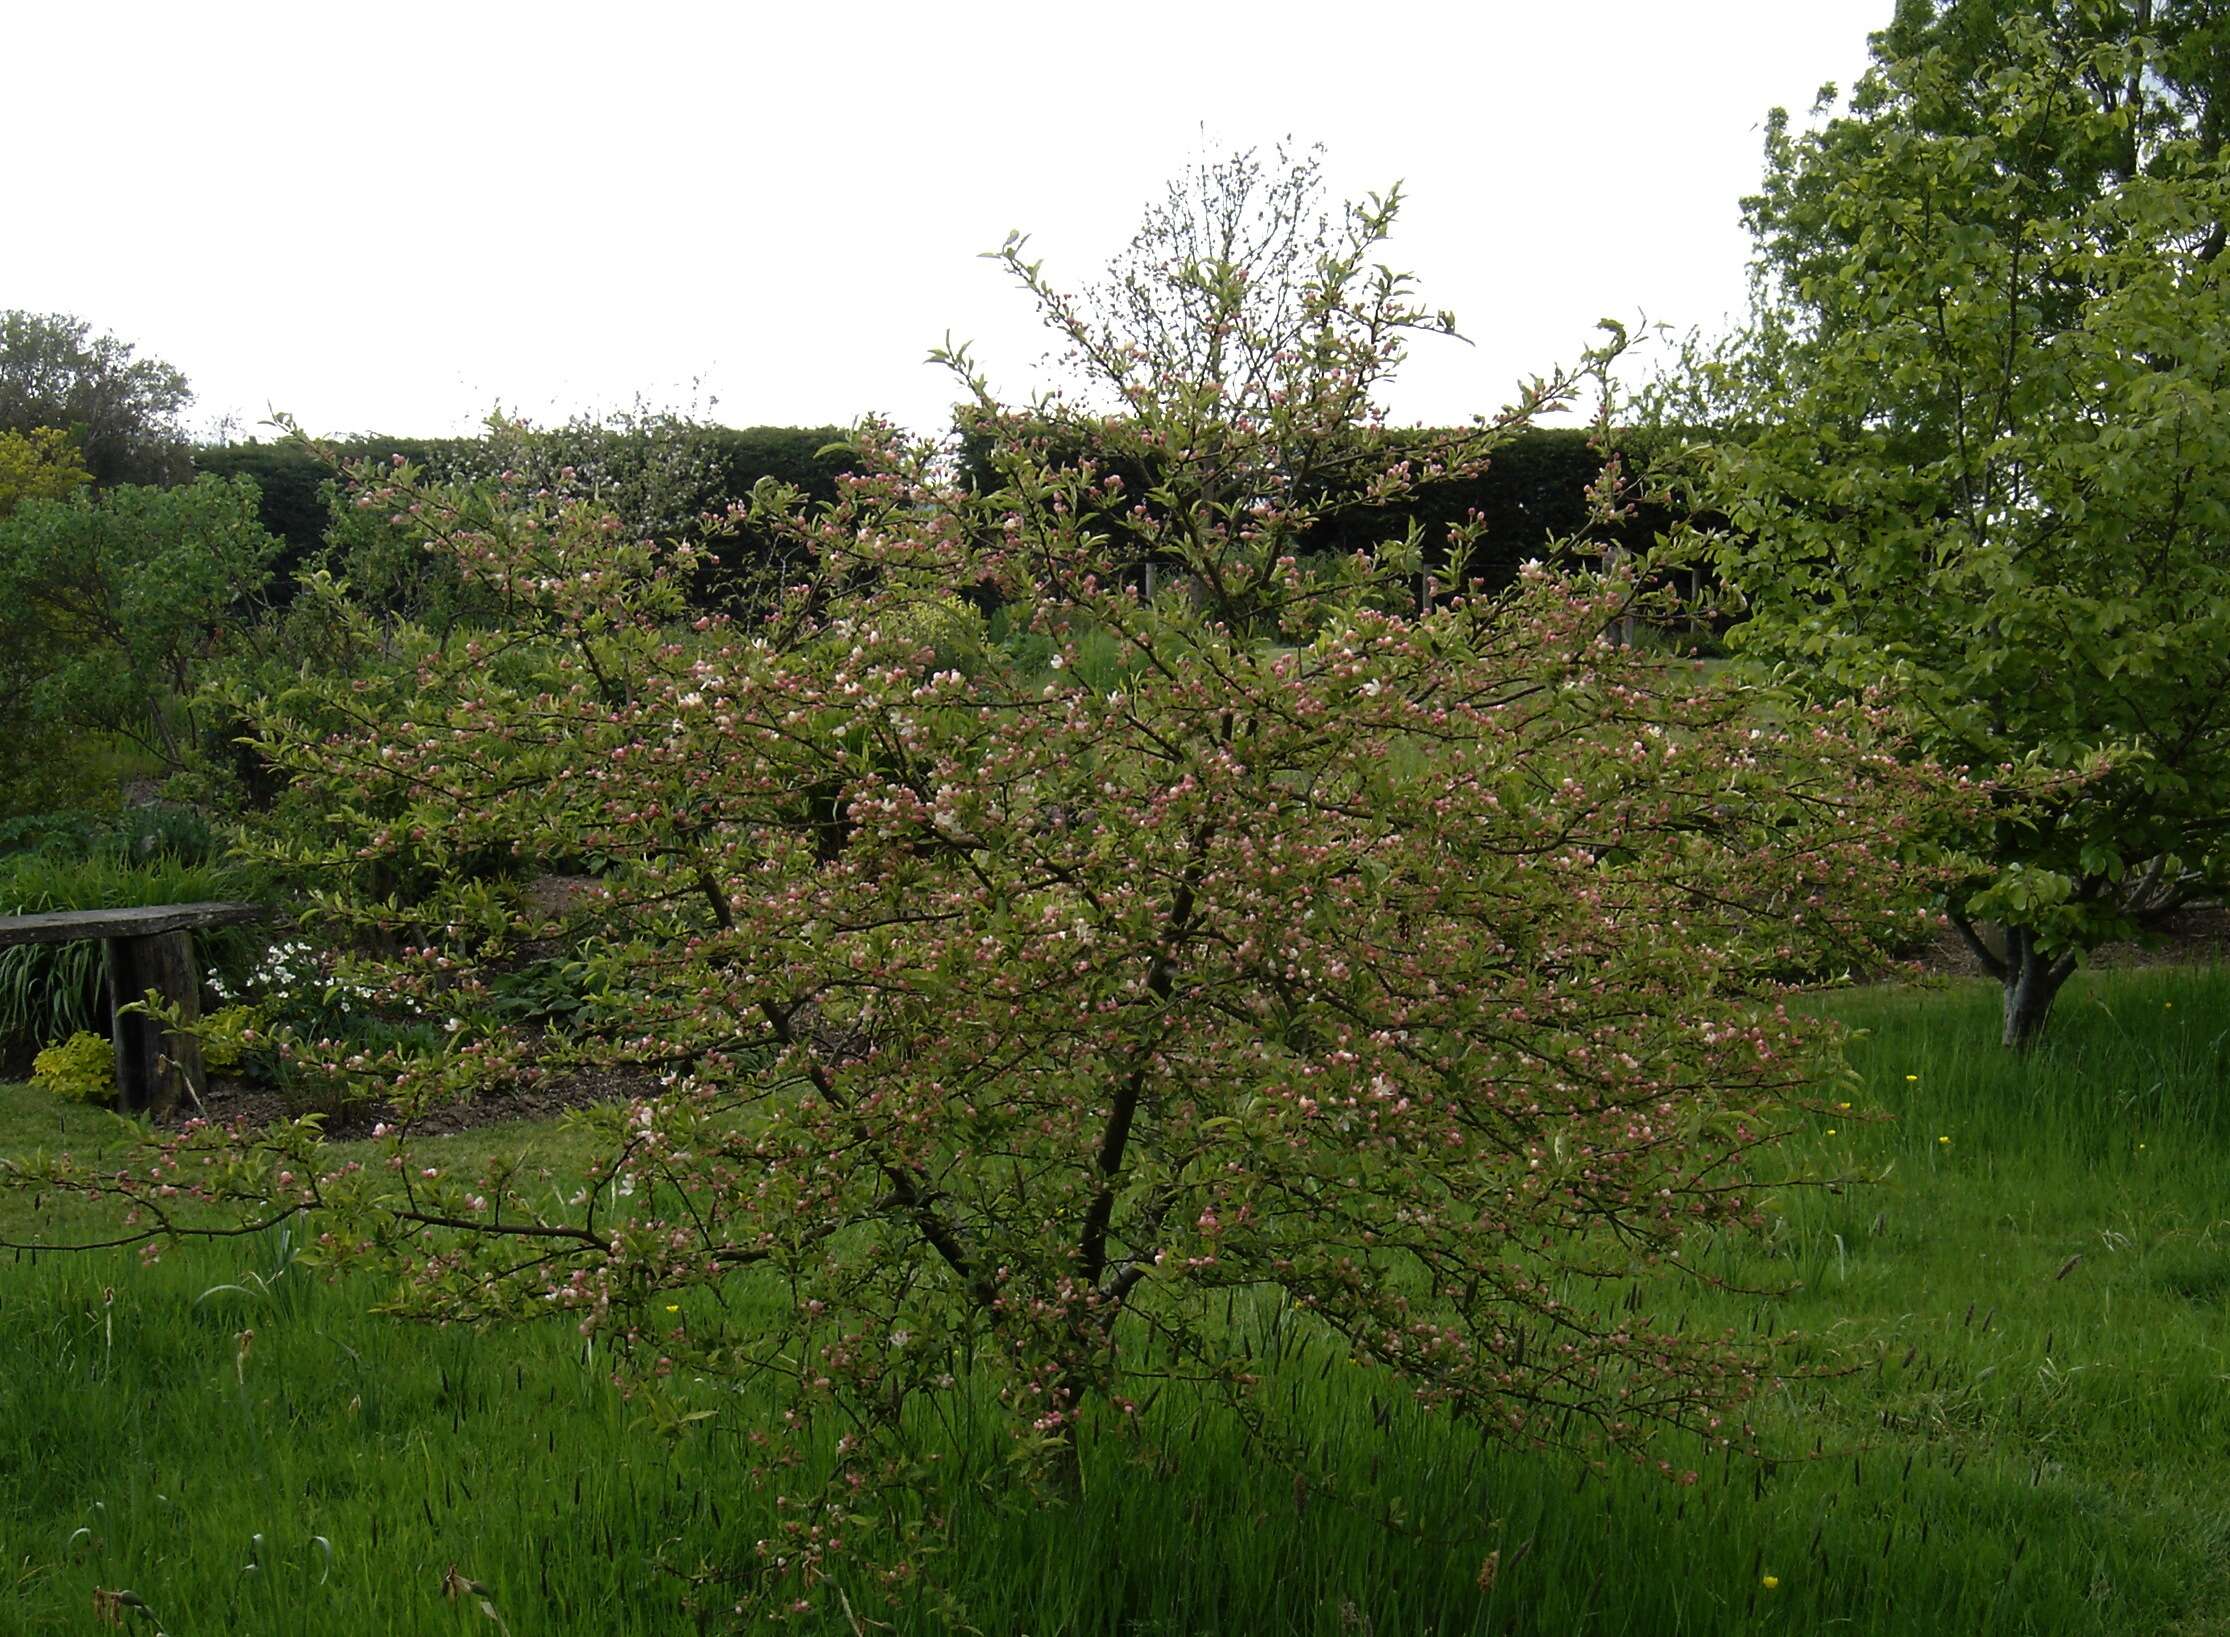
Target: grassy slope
(2018,1444)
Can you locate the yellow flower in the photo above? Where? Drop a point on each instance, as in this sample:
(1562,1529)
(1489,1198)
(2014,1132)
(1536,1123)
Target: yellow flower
(1769,1581)
(1943,1139)
(1845,1107)
(673,1307)
(1912,1077)
(1831,1132)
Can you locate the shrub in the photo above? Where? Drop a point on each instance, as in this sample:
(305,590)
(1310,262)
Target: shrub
(111,609)
(662,473)
(949,628)
(41,464)
(82,1069)
(227,1036)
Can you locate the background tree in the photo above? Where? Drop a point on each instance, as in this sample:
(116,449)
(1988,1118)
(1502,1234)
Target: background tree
(1978,447)
(122,411)
(112,607)
(1018,1017)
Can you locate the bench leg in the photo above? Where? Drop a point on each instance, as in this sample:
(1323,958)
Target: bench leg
(154,1068)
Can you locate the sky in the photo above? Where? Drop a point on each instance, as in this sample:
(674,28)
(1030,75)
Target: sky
(398,217)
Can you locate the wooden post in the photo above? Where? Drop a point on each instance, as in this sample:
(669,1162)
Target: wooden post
(154,1066)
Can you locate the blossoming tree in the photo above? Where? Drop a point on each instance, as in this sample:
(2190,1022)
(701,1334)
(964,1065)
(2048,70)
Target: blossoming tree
(1016,1006)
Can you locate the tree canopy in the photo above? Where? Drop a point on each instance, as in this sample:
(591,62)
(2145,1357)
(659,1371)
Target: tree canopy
(41,464)
(113,605)
(1978,447)
(123,411)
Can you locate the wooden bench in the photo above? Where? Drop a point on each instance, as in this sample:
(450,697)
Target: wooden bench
(146,949)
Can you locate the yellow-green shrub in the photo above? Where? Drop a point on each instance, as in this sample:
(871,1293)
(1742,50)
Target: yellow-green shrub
(81,1069)
(938,620)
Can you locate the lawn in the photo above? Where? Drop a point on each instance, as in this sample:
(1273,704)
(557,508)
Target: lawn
(2020,1290)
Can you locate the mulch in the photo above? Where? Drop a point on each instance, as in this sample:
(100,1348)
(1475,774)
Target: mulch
(229,1101)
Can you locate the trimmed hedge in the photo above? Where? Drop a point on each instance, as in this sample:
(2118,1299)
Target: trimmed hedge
(291,482)
(297,493)
(1534,493)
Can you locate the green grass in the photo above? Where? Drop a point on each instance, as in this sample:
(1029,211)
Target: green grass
(2015,1439)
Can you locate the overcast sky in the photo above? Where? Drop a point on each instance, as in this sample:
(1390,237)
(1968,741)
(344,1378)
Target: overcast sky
(394,217)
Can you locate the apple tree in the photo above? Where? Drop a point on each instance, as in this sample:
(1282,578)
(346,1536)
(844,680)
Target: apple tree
(1007,1002)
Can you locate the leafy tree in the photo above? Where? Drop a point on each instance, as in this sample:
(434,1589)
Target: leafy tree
(41,464)
(1980,449)
(122,410)
(111,607)
(1019,1015)
(2178,88)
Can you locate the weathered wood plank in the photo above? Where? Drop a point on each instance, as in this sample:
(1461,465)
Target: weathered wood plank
(69,925)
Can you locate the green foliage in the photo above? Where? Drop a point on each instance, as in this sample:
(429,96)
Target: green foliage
(41,464)
(48,992)
(1528,500)
(180,833)
(939,623)
(1979,453)
(544,990)
(227,1037)
(294,485)
(122,412)
(111,609)
(2182,93)
(81,1069)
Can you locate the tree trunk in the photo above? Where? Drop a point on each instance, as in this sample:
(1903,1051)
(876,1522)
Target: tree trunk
(2030,977)
(2032,980)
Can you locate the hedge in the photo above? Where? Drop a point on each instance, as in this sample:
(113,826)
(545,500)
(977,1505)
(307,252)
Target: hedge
(296,503)
(1533,493)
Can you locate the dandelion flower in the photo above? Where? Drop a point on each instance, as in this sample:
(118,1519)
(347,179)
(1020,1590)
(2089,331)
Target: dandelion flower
(1912,1077)
(1769,1581)
(1944,1140)
(1831,1131)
